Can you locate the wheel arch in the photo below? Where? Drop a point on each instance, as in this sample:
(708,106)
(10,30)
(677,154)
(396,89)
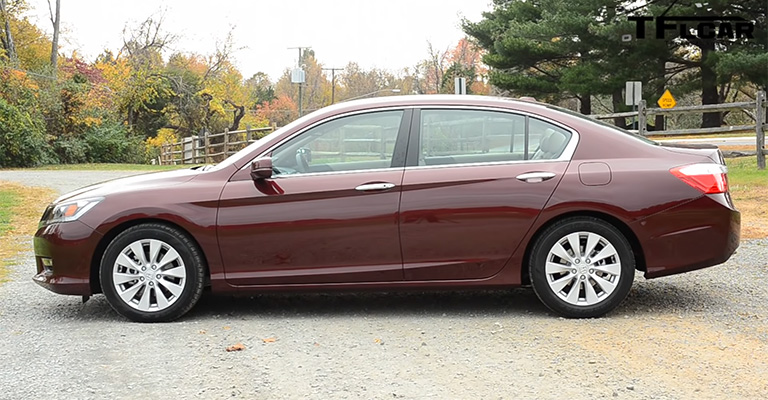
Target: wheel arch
(625,230)
(101,247)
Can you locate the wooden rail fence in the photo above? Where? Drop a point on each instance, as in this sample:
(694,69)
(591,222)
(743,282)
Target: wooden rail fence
(209,148)
(756,109)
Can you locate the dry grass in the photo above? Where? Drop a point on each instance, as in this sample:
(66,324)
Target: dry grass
(737,148)
(749,189)
(752,202)
(24,212)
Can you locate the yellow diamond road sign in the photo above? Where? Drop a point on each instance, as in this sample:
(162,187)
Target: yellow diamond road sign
(666,100)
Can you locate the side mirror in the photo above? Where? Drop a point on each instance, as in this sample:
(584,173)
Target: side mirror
(261,168)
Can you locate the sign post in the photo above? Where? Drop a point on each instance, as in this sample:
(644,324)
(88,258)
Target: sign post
(460,85)
(633,93)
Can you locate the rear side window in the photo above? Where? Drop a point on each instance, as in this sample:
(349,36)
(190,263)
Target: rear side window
(478,136)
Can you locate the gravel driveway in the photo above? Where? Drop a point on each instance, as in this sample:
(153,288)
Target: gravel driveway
(699,335)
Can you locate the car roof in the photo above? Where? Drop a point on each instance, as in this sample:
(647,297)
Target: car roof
(435,99)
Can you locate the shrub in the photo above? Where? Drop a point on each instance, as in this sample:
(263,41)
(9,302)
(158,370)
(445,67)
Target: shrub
(111,143)
(70,150)
(22,139)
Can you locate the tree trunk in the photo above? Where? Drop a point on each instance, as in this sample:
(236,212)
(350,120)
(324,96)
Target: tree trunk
(237,115)
(585,104)
(709,93)
(618,106)
(10,49)
(55,42)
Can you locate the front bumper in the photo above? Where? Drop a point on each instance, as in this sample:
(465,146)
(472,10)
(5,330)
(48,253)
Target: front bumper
(63,257)
(695,235)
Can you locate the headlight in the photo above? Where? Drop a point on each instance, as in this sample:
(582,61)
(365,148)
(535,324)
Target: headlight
(68,211)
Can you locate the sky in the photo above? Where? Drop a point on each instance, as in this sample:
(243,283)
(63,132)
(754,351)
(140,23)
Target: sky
(388,34)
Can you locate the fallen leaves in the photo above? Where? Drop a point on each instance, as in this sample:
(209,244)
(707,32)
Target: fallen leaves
(269,340)
(236,347)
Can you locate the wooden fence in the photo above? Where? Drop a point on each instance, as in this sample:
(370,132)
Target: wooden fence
(209,148)
(756,109)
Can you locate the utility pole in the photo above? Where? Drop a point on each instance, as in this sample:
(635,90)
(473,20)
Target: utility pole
(333,82)
(299,77)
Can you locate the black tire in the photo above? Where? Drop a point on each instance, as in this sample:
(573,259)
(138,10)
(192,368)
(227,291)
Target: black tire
(175,304)
(579,274)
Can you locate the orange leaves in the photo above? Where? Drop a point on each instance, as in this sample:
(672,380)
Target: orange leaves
(279,111)
(269,340)
(236,347)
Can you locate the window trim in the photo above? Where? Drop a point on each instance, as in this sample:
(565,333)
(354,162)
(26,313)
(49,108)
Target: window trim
(412,159)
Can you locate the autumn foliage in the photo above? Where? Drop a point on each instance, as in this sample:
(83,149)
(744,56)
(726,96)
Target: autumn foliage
(125,104)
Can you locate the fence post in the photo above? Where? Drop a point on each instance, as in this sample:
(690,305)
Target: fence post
(226,143)
(194,149)
(162,154)
(760,119)
(207,146)
(248,135)
(641,118)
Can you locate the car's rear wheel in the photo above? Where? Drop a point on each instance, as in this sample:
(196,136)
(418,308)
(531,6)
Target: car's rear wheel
(582,267)
(152,273)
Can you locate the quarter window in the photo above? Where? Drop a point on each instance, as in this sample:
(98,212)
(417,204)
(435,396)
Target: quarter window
(476,136)
(356,142)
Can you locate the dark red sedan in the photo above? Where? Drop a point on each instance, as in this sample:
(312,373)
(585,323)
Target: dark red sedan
(420,192)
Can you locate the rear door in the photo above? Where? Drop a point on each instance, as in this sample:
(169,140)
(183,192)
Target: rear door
(474,183)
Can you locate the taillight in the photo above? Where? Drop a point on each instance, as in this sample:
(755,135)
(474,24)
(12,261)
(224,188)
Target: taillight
(709,178)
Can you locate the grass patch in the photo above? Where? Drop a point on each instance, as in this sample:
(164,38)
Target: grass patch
(749,189)
(20,210)
(7,199)
(706,135)
(111,167)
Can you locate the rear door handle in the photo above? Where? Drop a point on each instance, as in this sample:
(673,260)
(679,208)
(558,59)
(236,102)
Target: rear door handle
(370,187)
(535,177)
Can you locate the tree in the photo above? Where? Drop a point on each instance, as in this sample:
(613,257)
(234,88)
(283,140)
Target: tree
(55,20)
(555,50)
(260,89)
(6,36)
(719,60)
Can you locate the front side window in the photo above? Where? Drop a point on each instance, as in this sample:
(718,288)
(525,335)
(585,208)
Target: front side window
(356,142)
(478,136)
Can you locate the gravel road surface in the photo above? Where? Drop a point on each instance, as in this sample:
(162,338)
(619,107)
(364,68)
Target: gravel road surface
(698,335)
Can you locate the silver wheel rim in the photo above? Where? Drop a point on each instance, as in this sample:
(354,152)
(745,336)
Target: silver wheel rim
(149,275)
(583,268)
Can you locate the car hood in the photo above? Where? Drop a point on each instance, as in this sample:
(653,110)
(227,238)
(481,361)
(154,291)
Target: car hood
(132,183)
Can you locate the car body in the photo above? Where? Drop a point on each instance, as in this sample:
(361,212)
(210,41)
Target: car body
(423,192)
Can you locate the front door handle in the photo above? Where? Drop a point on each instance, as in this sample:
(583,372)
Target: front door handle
(535,177)
(370,187)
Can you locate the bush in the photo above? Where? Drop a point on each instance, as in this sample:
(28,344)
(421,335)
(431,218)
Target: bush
(111,143)
(71,150)
(22,138)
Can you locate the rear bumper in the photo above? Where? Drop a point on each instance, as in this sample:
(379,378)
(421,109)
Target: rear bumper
(698,234)
(63,254)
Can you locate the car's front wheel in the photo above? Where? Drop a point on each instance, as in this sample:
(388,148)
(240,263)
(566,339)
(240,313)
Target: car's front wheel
(152,273)
(582,267)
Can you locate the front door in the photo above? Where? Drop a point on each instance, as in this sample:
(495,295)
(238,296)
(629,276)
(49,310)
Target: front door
(328,215)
